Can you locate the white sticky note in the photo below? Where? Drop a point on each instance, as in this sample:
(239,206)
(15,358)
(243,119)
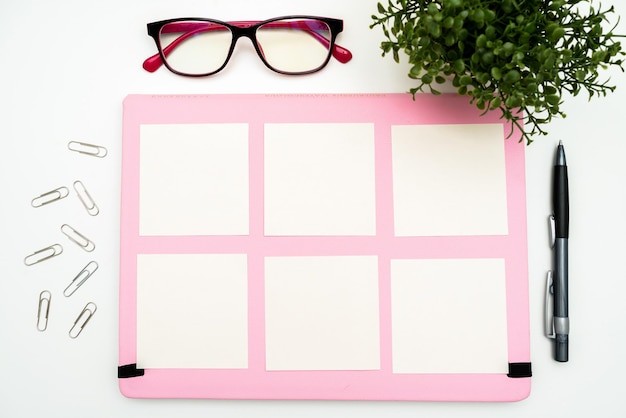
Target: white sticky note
(320,179)
(192,311)
(322,313)
(194,179)
(449,316)
(449,180)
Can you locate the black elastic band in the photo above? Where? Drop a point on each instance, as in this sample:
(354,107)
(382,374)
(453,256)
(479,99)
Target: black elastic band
(517,370)
(129,370)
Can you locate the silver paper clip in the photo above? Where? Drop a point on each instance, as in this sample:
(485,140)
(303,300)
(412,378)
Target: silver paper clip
(80,278)
(83,318)
(49,197)
(43,310)
(87,149)
(78,238)
(86,198)
(43,254)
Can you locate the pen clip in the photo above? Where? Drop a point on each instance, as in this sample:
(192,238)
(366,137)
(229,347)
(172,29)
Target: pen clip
(549,307)
(552,230)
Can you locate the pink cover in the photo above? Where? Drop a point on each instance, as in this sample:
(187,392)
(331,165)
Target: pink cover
(255,382)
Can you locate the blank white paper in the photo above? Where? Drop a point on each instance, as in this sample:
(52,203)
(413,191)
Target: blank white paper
(320,179)
(192,311)
(194,179)
(449,180)
(322,313)
(449,316)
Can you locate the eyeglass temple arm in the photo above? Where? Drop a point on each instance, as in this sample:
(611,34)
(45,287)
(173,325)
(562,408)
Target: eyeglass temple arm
(153,63)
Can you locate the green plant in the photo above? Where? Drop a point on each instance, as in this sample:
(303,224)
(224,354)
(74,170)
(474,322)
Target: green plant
(519,56)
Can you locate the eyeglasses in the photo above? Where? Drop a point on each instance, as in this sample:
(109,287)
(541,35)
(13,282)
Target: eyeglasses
(290,45)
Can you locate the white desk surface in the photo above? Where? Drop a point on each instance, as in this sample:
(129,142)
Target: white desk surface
(65,67)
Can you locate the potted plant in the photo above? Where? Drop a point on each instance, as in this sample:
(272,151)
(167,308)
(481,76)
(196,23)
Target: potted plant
(519,56)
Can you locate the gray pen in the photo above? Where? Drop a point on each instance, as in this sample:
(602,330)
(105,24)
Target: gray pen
(557,321)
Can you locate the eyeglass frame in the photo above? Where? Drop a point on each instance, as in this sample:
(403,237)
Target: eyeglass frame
(246,29)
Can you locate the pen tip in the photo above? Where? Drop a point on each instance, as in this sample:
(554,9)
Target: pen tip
(560,142)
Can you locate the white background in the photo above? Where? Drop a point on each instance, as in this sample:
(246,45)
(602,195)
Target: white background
(65,67)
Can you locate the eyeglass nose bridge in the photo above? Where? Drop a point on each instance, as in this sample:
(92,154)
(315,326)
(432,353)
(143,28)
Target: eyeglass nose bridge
(246,30)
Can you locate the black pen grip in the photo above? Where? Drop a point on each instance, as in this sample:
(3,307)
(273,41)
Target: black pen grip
(560,201)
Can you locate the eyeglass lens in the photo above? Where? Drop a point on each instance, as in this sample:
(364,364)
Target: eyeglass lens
(195,47)
(291,46)
(295,45)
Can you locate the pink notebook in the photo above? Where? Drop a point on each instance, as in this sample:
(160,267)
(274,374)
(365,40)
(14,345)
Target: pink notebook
(322,247)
